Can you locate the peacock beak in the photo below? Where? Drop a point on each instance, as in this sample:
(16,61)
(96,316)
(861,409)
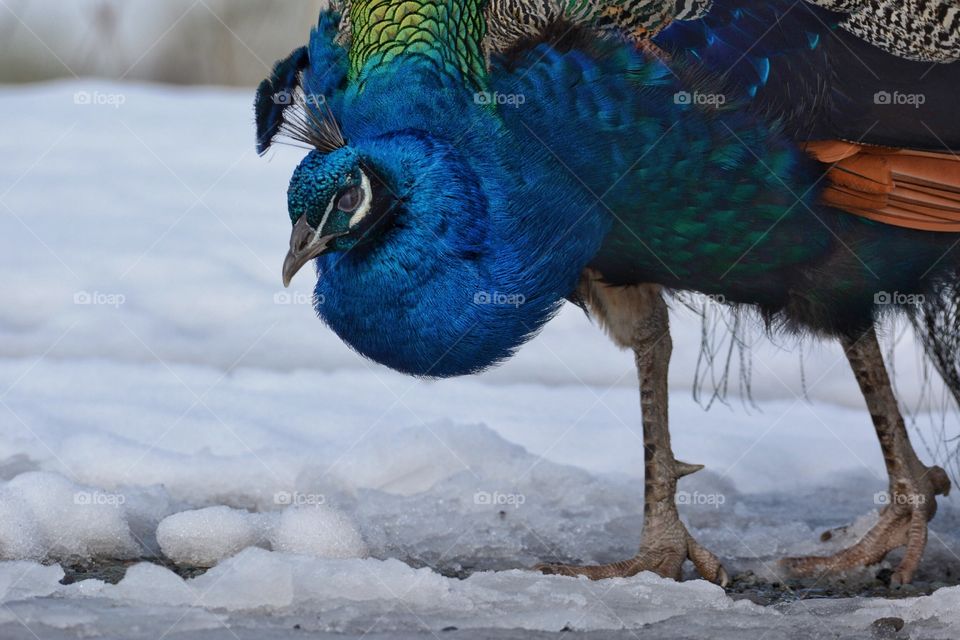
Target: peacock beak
(306,243)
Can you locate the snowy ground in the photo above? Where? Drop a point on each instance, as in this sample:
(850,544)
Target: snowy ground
(162,398)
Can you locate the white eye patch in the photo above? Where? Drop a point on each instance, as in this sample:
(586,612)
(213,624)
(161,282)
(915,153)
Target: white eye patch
(323,220)
(365,204)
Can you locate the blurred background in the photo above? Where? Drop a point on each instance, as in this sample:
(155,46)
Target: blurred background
(223,42)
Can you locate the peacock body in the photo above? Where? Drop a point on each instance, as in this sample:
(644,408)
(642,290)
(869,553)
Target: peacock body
(458,192)
(654,186)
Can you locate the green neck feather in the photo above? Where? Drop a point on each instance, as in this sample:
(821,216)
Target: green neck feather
(450,32)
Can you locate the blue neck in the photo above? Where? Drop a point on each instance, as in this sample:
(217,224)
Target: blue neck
(470,267)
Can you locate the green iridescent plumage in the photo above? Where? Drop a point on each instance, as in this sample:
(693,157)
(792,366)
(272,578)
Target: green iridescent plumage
(509,22)
(448,33)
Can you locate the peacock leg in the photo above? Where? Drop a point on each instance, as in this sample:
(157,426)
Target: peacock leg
(913,485)
(637,317)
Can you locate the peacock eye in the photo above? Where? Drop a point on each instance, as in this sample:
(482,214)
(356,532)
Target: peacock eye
(350,200)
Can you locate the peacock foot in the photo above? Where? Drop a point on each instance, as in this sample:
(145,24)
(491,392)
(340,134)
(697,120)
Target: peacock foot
(664,547)
(903,522)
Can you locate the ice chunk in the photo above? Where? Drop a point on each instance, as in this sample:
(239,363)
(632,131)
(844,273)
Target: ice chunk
(942,608)
(22,579)
(342,591)
(47,516)
(253,579)
(20,535)
(203,537)
(316,531)
(152,584)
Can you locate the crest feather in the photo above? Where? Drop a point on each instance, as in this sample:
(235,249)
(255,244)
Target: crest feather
(308,119)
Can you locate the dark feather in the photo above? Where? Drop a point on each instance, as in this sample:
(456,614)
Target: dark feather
(796,63)
(275,96)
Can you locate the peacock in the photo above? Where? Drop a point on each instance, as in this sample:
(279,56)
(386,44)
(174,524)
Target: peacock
(792,158)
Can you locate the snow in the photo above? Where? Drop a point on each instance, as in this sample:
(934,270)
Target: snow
(204,537)
(47,516)
(163,399)
(316,531)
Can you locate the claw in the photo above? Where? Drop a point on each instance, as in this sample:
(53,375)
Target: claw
(830,534)
(940,481)
(554,569)
(723,579)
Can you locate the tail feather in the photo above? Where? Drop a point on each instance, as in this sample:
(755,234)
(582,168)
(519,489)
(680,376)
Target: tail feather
(937,325)
(925,30)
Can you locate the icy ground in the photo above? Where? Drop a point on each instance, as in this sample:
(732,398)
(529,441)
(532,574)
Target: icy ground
(164,401)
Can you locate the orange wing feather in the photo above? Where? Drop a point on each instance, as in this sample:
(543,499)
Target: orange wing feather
(900,187)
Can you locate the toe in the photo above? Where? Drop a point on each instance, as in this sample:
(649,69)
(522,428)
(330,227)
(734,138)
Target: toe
(573,571)
(707,564)
(551,569)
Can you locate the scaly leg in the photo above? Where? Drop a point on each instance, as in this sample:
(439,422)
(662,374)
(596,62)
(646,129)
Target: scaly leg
(637,317)
(913,485)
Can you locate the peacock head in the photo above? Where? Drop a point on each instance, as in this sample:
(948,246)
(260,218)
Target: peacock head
(399,227)
(382,199)
(336,202)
